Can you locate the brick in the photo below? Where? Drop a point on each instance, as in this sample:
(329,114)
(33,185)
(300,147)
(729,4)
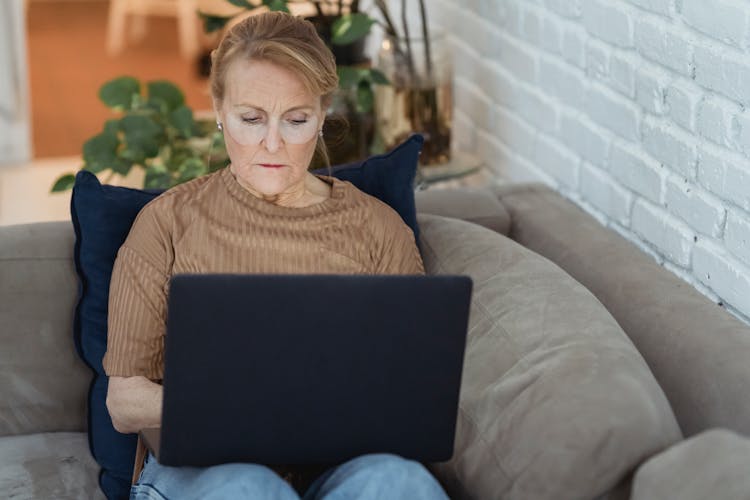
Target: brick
(725,176)
(723,274)
(673,238)
(608,21)
(588,139)
(566,8)
(636,171)
(506,164)
(531,24)
(536,108)
(722,20)
(519,59)
(657,41)
(724,72)
(494,12)
(671,146)
(470,99)
(478,33)
(612,111)
(741,125)
(597,59)
(557,161)
(622,74)
(561,80)
(737,235)
(714,120)
(574,46)
(656,6)
(681,102)
(604,193)
(650,89)
(497,82)
(513,131)
(552,38)
(463,132)
(700,210)
(466,61)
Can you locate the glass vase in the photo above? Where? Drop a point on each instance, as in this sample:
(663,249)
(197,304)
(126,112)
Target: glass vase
(420,96)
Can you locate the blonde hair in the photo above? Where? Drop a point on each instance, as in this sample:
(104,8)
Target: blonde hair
(283,39)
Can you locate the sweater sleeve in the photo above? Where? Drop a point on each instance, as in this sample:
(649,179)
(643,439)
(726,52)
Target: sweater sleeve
(138,300)
(400,254)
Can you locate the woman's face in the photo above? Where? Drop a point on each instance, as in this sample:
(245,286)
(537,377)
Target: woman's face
(271,124)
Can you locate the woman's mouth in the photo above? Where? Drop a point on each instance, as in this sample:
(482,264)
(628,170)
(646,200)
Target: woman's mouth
(271,165)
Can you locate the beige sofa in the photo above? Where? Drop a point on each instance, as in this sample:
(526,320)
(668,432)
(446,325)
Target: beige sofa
(590,371)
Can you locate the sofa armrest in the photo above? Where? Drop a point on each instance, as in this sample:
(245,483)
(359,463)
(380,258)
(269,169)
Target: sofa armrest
(697,351)
(712,464)
(43,383)
(479,206)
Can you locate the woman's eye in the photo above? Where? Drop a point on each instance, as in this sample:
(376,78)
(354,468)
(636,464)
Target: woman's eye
(252,119)
(300,121)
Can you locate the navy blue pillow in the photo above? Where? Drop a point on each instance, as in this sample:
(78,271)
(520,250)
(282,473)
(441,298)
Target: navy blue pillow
(102,216)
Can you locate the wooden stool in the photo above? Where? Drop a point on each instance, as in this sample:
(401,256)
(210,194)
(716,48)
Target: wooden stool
(184,10)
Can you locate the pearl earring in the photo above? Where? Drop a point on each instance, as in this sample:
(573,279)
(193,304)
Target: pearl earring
(320,132)
(219,126)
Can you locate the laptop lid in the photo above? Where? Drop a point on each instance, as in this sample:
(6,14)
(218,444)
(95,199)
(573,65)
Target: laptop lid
(298,369)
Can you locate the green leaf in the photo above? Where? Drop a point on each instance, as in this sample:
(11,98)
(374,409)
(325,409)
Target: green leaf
(348,76)
(190,169)
(167,92)
(378,77)
(279,5)
(182,119)
(63,183)
(100,152)
(119,93)
(213,23)
(350,28)
(142,136)
(111,127)
(365,98)
(157,177)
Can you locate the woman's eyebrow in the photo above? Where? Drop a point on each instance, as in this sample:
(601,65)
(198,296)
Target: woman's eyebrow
(259,108)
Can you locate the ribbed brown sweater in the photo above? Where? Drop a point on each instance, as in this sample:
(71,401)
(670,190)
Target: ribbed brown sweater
(214,225)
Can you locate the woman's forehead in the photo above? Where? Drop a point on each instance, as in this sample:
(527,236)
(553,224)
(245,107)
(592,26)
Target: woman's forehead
(259,83)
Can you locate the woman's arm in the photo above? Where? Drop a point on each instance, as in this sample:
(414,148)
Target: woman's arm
(134,403)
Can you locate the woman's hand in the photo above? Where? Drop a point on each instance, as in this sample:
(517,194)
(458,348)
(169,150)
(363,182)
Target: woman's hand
(134,403)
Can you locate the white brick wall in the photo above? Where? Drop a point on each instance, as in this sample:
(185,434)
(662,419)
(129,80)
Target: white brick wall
(634,109)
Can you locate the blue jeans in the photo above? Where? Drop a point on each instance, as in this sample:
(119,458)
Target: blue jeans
(365,477)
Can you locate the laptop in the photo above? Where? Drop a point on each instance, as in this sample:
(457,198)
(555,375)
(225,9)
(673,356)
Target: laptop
(306,369)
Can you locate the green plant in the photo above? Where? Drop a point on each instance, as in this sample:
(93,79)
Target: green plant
(154,130)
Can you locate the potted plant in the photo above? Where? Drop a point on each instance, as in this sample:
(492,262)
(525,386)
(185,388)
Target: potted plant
(155,131)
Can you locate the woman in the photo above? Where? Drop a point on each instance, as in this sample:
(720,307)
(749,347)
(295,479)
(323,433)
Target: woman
(271,81)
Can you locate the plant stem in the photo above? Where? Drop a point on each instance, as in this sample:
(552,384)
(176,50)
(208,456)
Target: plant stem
(409,57)
(318,8)
(391,27)
(426,37)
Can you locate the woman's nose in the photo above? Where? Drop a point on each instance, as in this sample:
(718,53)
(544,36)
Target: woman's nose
(273,138)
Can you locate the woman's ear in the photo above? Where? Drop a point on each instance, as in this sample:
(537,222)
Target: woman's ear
(217,110)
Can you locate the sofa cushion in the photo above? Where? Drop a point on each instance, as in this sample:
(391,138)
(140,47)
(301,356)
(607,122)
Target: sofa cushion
(479,206)
(52,465)
(714,464)
(556,402)
(43,384)
(102,216)
(671,323)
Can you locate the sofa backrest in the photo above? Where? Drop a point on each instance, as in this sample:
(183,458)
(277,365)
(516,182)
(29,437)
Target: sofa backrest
(43,382)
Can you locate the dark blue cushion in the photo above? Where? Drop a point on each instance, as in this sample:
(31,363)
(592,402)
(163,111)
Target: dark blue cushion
(102,216)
